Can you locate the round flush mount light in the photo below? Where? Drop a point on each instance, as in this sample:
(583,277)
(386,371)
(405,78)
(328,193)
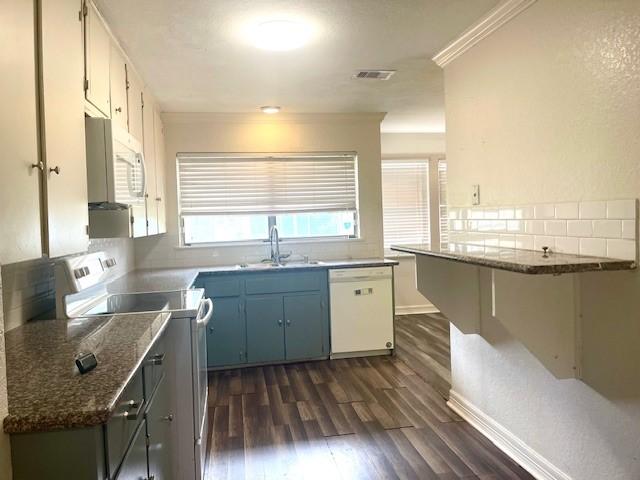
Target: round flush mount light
(270,109)
(281,35)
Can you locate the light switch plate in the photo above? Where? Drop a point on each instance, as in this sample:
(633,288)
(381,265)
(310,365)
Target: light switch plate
(475,195)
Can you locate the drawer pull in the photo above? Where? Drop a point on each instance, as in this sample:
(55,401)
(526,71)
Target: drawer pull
(135,410)
(156,359)
(168,418)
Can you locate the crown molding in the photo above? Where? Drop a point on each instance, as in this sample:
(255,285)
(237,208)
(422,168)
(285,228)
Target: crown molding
(484,27)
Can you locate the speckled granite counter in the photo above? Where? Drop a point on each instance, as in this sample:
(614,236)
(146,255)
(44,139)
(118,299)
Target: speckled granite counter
(45,390)
(520,261)
(148,280)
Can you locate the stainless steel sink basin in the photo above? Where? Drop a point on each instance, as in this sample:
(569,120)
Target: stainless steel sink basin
(271,265)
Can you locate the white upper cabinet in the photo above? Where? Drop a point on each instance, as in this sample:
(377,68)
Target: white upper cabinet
(134,102)
(150,159)
(118,85)
(160,172)
(97,54)
(62,124)
(20,186)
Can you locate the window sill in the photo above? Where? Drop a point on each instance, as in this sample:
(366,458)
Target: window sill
(266,244)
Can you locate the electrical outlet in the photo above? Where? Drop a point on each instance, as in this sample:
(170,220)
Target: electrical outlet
(475,195)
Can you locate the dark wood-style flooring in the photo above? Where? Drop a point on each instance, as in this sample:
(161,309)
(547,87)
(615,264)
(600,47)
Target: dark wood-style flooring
(362,418)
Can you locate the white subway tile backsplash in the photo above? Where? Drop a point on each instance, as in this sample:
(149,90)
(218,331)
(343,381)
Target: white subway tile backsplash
(524,242)
(595,247)
(629,229)
(567,210)
(623,249)
(579,228)
(534,227)
(555,227)
(593,210)
(607,228)
(567,245)
(601,228)
(621,209)
(544,211)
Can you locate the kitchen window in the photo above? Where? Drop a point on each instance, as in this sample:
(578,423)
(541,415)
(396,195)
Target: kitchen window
(237,198)
(414,201)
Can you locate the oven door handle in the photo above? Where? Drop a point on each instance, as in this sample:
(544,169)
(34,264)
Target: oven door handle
(202,322)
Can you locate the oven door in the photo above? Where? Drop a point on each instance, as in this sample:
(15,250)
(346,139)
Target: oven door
(200,383)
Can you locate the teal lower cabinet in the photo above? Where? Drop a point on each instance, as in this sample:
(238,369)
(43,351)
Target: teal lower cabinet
(267,317)
(265,329)
(134,464)
(226,334)
(303,315)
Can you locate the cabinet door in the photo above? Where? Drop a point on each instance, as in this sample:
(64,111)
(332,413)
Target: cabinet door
(118,86)
(226,334)
(149,146)
(134,465)
(97,49)
(20,192)
(159,418)
(303,316)
(160,173)
(62,107)
(265,332)
(134,103)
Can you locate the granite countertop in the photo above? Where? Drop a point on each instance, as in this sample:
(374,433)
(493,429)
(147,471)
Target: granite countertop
(163,279)
(518,260)
(46,391)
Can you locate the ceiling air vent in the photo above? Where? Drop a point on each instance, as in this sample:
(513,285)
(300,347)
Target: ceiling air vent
(374,74)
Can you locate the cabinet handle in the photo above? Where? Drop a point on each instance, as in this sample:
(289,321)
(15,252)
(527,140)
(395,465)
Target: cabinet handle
(168,418)
(39,166)
(158,199)
(119,109)
(280,322)
(211,329)
(55,170)
(288,322)
(156,359)
(137,406)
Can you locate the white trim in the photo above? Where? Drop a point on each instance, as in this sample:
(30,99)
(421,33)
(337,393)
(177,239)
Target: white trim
(481,29)
(416,309)
(510,444)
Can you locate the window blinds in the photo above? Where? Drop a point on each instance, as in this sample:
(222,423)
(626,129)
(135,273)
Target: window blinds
(405,192)
(442,193)
(210,184)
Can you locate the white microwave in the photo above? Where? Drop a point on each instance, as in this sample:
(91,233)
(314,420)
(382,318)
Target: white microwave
(116,179)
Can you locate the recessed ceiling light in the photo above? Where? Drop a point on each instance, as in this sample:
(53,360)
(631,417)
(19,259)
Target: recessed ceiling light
(270,109)
(281,35)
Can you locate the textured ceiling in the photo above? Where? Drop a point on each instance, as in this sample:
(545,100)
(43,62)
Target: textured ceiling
(195,57)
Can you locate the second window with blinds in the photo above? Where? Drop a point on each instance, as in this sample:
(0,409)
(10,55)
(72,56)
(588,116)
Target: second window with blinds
(414,201)
(238,198)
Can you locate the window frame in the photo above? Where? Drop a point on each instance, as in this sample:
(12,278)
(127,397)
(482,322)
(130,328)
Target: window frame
(435,207)
(271,217)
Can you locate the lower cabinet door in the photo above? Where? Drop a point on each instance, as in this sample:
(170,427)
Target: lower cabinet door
(134,465)
(159,418)
(303,319)
(226,333)
(265,325)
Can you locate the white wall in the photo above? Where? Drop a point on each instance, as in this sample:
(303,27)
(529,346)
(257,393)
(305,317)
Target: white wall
(398,145)
(548,109)
(261,133)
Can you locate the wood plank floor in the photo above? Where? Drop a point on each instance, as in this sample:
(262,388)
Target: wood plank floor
(364,418)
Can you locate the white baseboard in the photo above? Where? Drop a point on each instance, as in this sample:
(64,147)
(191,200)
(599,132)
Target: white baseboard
(506,441)
(415,309)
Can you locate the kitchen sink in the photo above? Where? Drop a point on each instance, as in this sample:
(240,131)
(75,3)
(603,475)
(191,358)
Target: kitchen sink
(285,264)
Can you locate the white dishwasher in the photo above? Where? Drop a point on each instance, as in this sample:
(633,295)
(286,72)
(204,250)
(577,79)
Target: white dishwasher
(361,311)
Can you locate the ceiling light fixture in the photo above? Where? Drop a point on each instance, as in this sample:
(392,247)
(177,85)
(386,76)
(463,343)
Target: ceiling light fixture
(270,109)
(281,35)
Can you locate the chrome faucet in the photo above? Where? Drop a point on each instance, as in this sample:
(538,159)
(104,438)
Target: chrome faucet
(274,234)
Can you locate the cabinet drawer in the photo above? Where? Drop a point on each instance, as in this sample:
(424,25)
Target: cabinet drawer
(284,282)
(126,417)
(154,366)
(222,287)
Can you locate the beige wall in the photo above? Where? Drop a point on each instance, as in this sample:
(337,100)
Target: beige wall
(548,109)
(261,133)
(398,145)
